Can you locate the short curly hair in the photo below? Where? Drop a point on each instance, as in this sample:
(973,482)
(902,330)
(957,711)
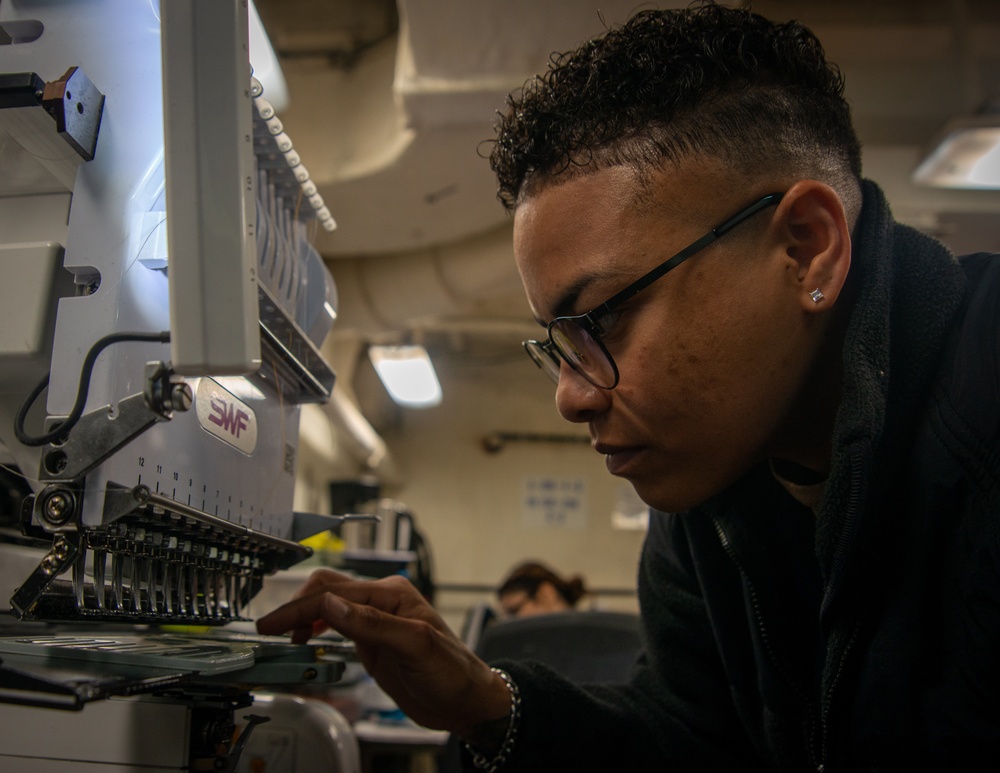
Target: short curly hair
(722,82)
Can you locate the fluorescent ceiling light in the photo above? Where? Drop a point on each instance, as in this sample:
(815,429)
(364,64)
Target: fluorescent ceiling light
(408,375)
(967,156)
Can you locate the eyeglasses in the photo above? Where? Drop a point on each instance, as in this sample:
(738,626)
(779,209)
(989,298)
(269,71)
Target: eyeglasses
(577,339)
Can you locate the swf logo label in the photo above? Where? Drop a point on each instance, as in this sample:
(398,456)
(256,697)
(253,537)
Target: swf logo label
(226,416)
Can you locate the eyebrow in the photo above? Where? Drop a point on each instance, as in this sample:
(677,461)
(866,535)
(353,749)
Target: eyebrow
(565,306)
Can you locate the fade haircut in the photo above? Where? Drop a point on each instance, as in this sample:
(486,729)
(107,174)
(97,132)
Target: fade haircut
(725,83)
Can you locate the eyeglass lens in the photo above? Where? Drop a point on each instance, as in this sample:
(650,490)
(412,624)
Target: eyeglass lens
(584,354)
(543,356)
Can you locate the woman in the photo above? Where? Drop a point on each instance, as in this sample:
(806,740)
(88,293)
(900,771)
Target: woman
(534,589)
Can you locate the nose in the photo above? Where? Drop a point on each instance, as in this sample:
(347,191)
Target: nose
(578,400)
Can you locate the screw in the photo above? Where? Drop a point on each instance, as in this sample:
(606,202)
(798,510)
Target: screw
(181,396)
(58,508)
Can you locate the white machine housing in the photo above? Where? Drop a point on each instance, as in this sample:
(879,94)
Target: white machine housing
(157,268)
(190,213)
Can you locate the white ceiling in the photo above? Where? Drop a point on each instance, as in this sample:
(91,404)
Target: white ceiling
(391,102)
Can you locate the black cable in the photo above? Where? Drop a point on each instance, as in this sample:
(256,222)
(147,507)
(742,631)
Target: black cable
(81,395)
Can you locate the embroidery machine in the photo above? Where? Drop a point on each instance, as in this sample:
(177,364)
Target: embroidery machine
(163,316)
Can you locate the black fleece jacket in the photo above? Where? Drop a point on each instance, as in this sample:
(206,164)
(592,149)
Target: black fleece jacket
(866,638)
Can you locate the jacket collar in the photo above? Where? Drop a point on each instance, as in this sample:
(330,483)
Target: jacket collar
(909,288)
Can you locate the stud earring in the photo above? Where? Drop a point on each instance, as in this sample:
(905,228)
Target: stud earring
(817,295)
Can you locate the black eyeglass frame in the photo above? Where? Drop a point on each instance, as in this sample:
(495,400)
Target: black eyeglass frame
(590,321)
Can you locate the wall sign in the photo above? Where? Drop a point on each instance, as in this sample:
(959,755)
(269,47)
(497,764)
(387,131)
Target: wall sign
(554,503)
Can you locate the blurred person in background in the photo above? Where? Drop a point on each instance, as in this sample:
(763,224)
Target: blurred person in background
(532,588)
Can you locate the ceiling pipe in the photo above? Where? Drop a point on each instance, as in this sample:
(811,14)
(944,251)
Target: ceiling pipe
(401,291)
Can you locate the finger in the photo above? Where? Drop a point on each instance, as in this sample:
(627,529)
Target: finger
(301,615)
(388,594)
(318,580)
(303,634)
(297,616)
(395,595)
(364,624)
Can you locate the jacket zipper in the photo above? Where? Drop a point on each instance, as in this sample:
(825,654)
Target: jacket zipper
(825,711)
(839,556)
(800,693)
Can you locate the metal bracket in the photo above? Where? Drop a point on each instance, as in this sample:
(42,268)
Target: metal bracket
(232,759)
(73,102)
(77,106)
(64,551)
(96,437)
(98,434)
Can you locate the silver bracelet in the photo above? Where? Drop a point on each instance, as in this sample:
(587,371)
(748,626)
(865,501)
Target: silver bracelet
(493,765)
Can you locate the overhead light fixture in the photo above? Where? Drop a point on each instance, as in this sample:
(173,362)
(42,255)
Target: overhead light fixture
(966,155)
(407,374)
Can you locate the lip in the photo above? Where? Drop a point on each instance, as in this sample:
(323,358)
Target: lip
(618,459)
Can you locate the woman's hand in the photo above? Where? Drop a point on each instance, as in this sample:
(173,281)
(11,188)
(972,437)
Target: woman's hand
(403,644)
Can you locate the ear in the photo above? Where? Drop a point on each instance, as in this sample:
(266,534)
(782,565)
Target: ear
(817,240)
